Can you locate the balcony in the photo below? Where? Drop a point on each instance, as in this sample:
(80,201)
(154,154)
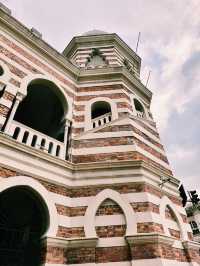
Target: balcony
(102,120)
(140,114)
(195,231)
(35,139)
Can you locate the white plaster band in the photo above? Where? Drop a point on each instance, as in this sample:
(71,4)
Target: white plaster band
(144,262)
(2,120)
(118,219)
(5,102)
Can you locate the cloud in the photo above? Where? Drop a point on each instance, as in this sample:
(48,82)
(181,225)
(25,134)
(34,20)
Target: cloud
(170,47)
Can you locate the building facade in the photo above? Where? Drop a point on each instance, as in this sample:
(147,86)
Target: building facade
(193,214)
(81,160)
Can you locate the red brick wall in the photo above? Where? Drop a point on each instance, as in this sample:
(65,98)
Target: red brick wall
(116,254)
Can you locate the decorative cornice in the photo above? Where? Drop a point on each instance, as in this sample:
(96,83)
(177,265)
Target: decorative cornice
(71,168)
(150,238)
(120,74)
(104,39)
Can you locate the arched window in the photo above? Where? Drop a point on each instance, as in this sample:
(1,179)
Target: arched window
(100,113)
(139,108)
(194,227)
(42,109)
(100,108)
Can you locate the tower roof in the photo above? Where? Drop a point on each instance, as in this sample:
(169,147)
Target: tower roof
(94,32)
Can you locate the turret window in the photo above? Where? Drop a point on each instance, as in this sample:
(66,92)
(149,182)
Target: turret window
(139,108)
(194,227)
(100,113)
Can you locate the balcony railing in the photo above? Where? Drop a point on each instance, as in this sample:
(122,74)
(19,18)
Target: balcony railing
(101,120)
(36,139)
(195,231)
(140,114)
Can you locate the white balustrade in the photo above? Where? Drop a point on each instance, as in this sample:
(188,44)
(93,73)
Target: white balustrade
(101,120)
(140,114)
(36,139)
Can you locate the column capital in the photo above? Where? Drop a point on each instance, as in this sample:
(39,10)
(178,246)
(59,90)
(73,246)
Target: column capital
(19,96)
(67,122)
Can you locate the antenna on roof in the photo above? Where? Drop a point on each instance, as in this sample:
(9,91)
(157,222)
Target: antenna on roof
(138,40)
(148,78)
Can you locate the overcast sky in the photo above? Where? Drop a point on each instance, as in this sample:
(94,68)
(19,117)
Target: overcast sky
(169,47)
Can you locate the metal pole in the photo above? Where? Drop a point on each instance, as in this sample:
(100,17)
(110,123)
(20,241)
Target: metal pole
(138,40)
(148,77)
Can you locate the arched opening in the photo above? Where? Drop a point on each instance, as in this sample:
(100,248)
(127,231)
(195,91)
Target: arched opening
(168,210)
(1,71)
(100,113)
(170,215)
(194,226)
(115,228)
(138,106)
(100,108)
(110,207)
(23,220)
(43,109)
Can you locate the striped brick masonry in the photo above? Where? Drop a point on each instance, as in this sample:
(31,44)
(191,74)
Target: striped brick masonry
(94,182)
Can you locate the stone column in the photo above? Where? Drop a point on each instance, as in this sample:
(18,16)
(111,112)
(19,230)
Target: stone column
(66,133)
(18,99)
